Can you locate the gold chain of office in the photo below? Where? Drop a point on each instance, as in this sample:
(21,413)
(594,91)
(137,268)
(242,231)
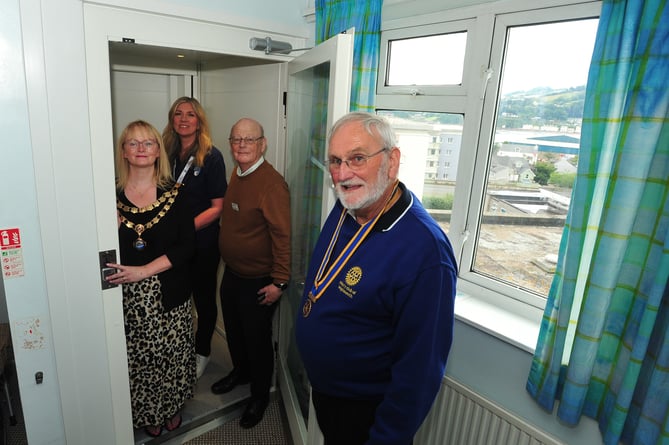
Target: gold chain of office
(167,198)
(170,194)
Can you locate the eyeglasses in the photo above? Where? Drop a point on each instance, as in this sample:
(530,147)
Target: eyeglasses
(355,162)
(133,144)
(247,141)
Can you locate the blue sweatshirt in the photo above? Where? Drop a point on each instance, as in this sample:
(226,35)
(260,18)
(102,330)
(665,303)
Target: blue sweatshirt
(383,329)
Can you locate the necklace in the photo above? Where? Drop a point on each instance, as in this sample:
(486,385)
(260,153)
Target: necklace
(167,198)
(324,277)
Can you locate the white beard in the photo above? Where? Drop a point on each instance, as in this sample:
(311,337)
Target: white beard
(375,191)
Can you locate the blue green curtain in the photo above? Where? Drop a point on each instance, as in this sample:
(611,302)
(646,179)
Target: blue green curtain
(335,16)
(603,348)
(332,18)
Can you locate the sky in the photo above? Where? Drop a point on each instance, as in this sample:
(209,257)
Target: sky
(555,55)
(560,54)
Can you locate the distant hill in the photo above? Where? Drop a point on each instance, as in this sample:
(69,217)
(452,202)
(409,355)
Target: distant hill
(538,106)
(542,106)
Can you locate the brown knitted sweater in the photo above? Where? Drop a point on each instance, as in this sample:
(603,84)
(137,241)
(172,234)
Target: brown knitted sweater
(254,239)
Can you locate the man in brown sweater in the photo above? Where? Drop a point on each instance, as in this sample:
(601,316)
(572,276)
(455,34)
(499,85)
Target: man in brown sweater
(254,242)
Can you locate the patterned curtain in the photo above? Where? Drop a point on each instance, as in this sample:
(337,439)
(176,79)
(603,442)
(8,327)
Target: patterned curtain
(332,18)
(335,16)
(603,348)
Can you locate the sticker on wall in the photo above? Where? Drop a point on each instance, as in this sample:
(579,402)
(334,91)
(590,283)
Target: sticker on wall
(29,334)
(11,253)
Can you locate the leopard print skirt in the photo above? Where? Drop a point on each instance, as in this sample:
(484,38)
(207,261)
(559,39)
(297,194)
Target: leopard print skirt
(161,353)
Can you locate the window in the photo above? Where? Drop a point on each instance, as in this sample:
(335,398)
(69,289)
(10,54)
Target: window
(540,106)
(511,123)
(412,137)
(443,69)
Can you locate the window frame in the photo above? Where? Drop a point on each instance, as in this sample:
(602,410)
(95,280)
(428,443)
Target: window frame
(476,99)
(425,31)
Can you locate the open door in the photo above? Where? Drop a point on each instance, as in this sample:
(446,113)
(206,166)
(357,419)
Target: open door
(319,88)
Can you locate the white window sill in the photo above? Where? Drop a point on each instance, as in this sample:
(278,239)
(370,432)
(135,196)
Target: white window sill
(509,320)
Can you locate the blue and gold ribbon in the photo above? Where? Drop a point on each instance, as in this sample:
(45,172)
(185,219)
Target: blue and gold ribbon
(324,278)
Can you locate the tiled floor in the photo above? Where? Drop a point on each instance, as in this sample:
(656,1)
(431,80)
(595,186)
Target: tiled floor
(270,431)
(213,419)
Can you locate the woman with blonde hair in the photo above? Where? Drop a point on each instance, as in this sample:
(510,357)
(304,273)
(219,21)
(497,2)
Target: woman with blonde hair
(157,242)
(198,166)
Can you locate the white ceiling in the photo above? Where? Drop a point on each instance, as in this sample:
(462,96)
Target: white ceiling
(134,54)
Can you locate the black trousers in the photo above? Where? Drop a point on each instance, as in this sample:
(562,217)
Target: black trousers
(344,421)
(248,327)
(204,271)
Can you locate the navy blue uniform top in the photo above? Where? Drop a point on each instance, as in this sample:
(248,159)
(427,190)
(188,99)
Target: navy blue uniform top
(200,186)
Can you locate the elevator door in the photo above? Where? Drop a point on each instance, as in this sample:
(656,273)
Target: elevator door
(319,88)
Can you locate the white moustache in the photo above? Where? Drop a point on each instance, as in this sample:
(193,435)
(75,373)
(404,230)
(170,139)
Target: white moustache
(350,183)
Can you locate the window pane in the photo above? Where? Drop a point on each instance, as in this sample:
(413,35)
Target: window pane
(431,60)
(430,147)
(534,152)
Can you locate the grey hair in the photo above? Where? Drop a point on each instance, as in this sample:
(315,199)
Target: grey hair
(370,122)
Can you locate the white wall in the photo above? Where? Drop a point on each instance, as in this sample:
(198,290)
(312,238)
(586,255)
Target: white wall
(49,170)
(498,371)
(398,9)
(25,293)
(280,16)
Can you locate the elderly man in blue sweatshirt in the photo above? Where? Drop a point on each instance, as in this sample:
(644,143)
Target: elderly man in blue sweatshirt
(376,320)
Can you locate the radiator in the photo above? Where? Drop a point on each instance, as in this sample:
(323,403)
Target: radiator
(459,416)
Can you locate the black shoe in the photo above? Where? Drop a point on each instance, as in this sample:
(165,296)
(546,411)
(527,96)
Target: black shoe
(254,412)
(228,383)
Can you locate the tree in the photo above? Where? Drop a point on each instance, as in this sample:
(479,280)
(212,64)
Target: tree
(542,172)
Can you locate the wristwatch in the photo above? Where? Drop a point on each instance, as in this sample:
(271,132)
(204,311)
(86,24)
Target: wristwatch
(282,286)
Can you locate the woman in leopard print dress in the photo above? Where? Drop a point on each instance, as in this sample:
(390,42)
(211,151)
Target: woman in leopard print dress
(157,242)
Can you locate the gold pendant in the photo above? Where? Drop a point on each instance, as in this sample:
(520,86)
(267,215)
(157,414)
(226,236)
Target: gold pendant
(306,309)
(139,243)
